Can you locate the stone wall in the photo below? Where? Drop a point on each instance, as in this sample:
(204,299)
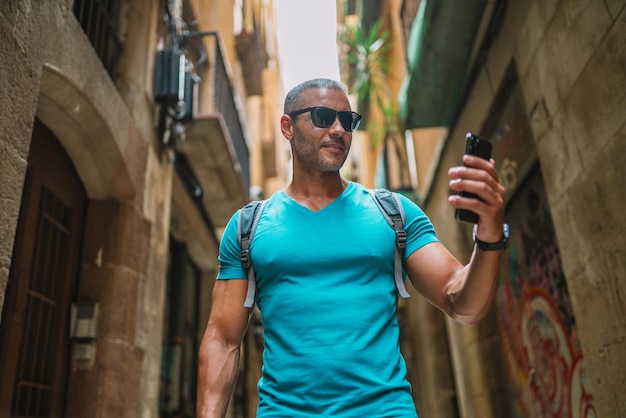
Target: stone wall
(570,61)
(50,71)
(19,78)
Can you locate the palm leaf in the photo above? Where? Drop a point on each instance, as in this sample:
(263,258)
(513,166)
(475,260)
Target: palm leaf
(366,68)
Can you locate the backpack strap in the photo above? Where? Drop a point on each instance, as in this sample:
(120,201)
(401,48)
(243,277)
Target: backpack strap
(391,207)
(248,220)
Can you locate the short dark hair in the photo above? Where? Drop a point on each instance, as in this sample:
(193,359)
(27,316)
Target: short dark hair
(291,100)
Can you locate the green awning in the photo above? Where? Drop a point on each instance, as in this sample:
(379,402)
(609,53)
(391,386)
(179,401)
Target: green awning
(439,49)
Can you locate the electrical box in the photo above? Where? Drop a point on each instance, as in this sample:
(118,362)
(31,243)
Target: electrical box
(191,92)
(169,64)
(84,319)
(83,351)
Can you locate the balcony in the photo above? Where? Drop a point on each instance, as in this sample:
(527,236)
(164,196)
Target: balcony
(215,146)
(252,60)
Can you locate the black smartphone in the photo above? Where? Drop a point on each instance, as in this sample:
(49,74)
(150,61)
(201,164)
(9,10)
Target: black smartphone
(481,147)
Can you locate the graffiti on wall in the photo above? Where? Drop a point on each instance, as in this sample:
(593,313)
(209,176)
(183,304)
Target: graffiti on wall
(538,327)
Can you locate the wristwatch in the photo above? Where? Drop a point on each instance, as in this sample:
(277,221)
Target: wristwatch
(503,244)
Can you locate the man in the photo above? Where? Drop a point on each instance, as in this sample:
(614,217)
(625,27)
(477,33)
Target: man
(323,256)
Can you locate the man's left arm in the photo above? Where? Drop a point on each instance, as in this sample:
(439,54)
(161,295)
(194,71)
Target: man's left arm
(465,292)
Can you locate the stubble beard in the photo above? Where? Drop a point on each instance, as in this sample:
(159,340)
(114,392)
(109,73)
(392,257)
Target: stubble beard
(309,155)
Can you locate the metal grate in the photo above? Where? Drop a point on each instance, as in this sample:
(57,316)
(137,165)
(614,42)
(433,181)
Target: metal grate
(99,19)
(224,102)
(34,384)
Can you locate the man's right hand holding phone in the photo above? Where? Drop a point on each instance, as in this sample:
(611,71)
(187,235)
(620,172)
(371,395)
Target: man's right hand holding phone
(479,176)
(469,291)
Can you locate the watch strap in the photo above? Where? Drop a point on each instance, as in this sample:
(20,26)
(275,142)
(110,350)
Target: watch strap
(503,244)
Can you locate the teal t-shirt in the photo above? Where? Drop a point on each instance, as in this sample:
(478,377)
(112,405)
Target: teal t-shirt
(327,296)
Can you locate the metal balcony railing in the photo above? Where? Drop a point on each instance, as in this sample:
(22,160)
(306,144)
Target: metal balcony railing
(223,101)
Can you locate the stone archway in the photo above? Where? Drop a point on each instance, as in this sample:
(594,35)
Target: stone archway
(97,133)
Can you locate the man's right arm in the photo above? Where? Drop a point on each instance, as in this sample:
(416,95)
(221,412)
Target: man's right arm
(220,346)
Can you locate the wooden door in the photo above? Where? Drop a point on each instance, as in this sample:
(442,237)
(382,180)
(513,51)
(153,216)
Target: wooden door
(35,346)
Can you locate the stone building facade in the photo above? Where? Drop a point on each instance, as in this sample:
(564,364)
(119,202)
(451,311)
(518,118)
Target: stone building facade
(545,82)
(125,146)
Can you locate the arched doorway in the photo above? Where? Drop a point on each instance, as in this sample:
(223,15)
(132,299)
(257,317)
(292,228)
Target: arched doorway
(42,280)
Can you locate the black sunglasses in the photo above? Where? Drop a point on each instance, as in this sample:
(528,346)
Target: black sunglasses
(324,117)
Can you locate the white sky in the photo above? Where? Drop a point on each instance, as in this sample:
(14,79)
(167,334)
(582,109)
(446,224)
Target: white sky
(307,40)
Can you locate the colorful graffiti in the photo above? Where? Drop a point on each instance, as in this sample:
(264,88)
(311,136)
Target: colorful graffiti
(538,327)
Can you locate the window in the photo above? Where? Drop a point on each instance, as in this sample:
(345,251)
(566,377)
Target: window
(99,19)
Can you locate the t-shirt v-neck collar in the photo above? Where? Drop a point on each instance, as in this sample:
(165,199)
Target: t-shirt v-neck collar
(292,202)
